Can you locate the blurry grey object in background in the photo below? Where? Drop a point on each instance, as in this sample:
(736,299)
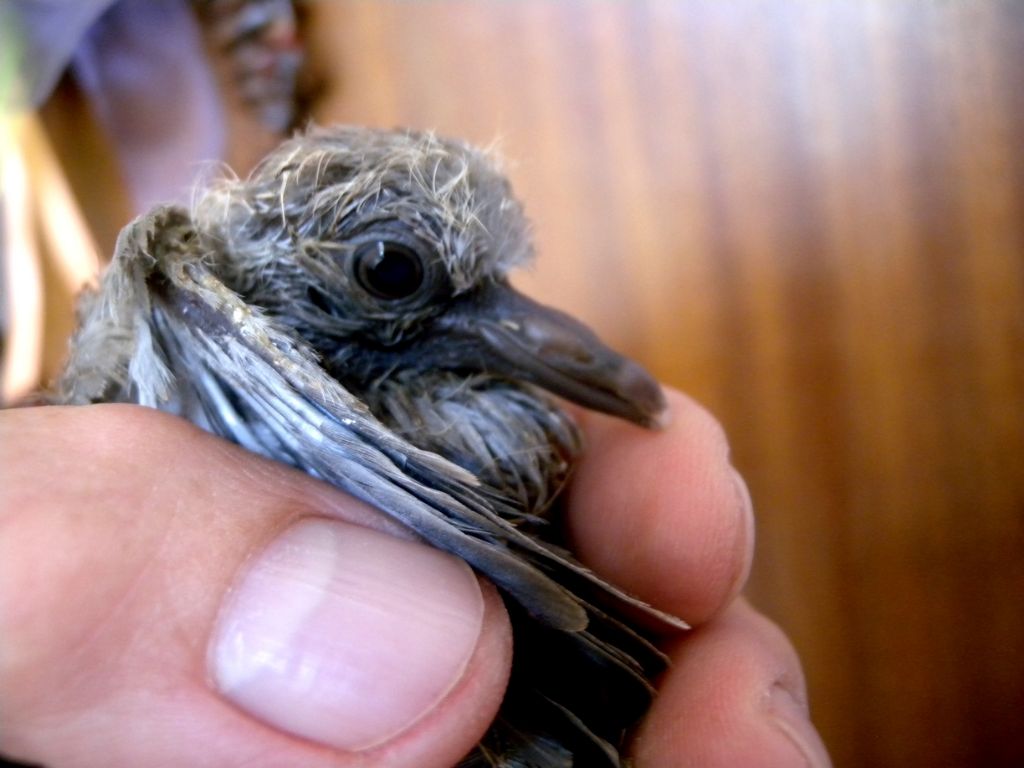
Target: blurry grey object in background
(161,79)
(142,66)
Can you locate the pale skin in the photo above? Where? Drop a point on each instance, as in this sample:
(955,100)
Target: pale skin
(122,529)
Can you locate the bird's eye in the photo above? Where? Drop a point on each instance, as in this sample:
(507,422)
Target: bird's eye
(388,270)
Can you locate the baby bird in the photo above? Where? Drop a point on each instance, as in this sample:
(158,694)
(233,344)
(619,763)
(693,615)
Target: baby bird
(346,310)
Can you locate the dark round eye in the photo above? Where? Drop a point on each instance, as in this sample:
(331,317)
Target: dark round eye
(388,270)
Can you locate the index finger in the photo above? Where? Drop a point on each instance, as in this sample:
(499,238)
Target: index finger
(663,514)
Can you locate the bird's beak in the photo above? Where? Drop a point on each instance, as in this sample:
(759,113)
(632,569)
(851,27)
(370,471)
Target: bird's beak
(505,332)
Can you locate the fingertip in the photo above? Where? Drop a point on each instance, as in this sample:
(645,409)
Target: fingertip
(664,514)
(117,628)
(345,635)
(735,695)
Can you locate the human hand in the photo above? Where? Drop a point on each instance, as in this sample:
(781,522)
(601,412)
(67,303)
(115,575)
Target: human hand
(666,517)
(130,539)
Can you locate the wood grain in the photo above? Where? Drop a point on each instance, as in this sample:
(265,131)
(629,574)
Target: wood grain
(809,215)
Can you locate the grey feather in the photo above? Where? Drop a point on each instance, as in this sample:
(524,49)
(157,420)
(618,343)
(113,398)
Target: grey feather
(345,310)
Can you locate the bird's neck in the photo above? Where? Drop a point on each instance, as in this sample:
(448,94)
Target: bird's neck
(514,439)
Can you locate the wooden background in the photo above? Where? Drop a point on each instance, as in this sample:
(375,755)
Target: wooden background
(809,215)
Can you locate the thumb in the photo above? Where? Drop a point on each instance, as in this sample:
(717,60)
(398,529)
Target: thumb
(169,599)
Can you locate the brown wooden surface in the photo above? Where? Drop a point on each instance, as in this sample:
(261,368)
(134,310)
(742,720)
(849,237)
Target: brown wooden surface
(808,215)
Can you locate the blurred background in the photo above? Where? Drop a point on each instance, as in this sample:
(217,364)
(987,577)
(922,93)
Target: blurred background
(809,214)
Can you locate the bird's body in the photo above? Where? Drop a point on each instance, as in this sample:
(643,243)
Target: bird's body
(345,310)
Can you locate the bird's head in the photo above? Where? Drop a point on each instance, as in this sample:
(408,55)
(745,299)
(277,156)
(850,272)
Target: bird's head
(390,250)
